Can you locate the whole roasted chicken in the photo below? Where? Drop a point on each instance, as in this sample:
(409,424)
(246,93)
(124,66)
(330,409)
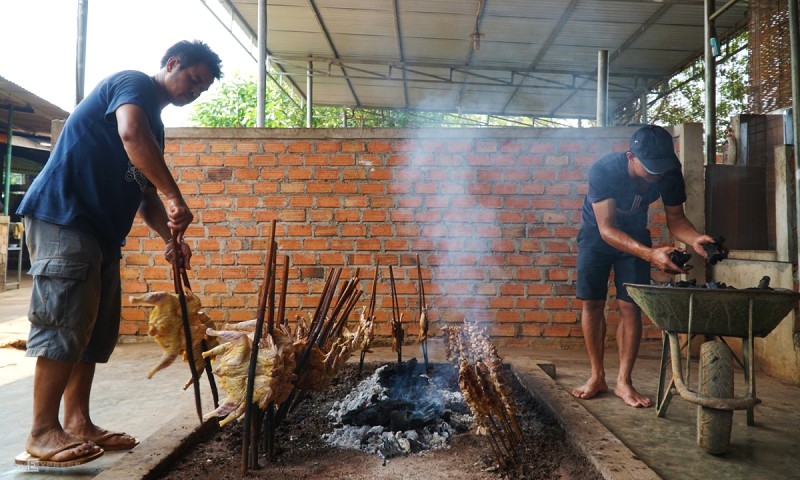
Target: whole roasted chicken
(165,323)
(274,372)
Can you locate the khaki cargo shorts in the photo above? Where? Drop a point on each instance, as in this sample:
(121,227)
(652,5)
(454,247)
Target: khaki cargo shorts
(76,300)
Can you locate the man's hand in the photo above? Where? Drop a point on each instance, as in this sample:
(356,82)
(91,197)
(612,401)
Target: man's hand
(179,216)
(661,259)
(183,254)
(698,243)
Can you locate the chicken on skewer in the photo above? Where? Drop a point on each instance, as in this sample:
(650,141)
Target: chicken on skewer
(165,323)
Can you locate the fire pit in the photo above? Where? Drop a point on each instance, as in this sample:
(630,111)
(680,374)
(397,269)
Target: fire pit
(400,410)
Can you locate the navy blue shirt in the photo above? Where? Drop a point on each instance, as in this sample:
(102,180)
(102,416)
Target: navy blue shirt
(608,178)
(89,183)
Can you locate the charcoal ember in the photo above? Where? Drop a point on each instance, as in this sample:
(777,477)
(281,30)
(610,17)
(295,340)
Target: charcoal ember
(717,285)
(679,258)
(684,284)
(715,251)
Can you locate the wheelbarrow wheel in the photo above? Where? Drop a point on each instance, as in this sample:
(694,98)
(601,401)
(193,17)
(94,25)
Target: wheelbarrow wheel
(716,380)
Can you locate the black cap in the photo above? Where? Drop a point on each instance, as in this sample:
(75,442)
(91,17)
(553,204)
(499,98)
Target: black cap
(653,146)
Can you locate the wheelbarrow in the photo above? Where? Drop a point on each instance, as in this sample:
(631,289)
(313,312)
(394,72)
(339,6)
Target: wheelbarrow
(715,313)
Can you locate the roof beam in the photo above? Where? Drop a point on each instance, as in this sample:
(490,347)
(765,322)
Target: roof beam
(624,46)
(318,17)
(401,53)
(546,46)
(476,41)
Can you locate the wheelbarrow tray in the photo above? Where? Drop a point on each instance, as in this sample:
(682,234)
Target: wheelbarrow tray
(722,312)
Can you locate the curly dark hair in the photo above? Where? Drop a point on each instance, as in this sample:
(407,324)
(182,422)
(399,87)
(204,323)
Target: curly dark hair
(193,53)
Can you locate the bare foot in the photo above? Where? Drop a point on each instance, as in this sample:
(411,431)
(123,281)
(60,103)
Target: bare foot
(46,443)
(630,396)
(590,389)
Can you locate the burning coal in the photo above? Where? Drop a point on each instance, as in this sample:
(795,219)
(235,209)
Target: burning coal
(400,410)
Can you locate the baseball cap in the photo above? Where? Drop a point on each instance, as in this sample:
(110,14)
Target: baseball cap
(653,146)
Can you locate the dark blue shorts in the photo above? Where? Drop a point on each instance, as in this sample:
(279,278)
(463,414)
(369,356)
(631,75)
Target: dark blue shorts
(594,269)
(75,301)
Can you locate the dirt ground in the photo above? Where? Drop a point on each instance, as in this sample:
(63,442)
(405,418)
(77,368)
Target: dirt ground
(302,454)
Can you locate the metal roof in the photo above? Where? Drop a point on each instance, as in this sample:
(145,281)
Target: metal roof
(507,57)
(32,114)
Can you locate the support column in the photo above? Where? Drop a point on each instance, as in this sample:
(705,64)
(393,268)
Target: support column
(794,49)
(602,88)
(261,91)
(711,86)
(310,95)
(80,58)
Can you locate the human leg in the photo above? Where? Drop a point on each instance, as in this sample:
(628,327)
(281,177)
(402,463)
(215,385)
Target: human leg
(629,330)
(50,379)
(594,267)
(62,289)
(77,417)
(593,323)
(629,333)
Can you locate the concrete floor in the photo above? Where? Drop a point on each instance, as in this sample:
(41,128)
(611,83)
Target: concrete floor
(624,443)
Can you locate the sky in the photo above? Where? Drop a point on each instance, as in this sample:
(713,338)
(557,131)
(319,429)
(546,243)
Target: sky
(39,39)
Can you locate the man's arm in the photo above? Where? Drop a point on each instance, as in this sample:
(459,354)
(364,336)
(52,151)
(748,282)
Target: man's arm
(154,214)
(145,154)
(683,229)
(605,213)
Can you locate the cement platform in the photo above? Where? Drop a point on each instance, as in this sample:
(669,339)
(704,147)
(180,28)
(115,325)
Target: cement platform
(624,443)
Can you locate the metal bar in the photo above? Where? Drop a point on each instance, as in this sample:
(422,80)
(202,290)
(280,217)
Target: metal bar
(624,46)
(711,87)
(689,337)
(261,94)
(546,45)
(602,88)
(794,49)
(750,362)
(7,174)
(400,50)
(309,96)
(737,403)
(329,40)
(723,9)
(80,58)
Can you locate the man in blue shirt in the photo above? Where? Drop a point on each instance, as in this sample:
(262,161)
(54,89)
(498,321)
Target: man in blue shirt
(614,235)
(106,166)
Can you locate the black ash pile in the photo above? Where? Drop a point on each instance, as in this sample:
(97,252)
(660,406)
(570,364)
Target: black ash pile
(401,410)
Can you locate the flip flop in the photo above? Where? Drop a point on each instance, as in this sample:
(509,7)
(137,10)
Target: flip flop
(103,441)
(33,463)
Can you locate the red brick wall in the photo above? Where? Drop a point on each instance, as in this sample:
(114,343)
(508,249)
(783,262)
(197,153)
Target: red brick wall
(492,213)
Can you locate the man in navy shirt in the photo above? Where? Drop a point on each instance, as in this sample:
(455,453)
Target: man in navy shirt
(107,165)
(614,235)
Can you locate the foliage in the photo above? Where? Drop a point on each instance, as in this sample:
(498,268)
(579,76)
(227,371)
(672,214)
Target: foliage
(679,100)
(232,104)
(682,98)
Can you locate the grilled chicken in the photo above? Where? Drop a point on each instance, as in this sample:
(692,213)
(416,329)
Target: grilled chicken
(165,323)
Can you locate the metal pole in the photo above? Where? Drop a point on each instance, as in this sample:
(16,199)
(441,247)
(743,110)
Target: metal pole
(80,58)
(602,88)
(7,174)
(643,107)
(261,93)
(309,95)
(794,41)
(711,87)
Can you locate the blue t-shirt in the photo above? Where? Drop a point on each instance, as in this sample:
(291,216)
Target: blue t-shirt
(608,178)
(89,183)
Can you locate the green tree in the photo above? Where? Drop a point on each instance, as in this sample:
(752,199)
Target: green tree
(682,98)
(233,104)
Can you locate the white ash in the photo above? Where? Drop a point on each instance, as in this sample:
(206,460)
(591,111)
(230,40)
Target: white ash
(382,441)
